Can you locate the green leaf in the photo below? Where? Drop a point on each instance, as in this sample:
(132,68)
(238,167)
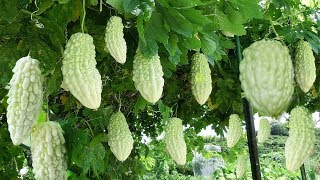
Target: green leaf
(235,15)
(102,137)
(42,117)
(227,26)
(195,16)
(250,9)
(8,9)
(141,8)
(63,1)
(175,59)
(9,30)
(193,43)
(176,21)
(41,51)
(185,3)
(155,29)
(43,5)
(54,82)
(168,67)
(116,4)
(61,14)
(165,110)
(55,33)
(78,140)
(172,46)
(140,105)
(93,2)
(8,55)
(94,159)
(208,43)
(147,45)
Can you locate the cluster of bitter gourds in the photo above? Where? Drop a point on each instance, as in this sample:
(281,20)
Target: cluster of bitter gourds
(267,79)
(266,76)
(24,106)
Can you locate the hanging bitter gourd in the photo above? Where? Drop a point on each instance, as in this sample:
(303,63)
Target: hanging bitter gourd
(115,43)
(80,75)
(301,141)
(25,99)
(241,168)
(174,141)
(304,66)
(48,151)
(266,75)
(201,83)
(147,76)
(264,130)
(120,139)
(235,130)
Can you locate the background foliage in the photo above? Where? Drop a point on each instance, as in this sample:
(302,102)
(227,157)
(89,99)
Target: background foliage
(174,29)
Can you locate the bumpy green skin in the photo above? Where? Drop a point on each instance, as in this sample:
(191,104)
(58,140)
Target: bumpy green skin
(80,74)
(120,138)
(24,99)
(175,144)
(304,66)
(241,165)
(201,83)
(301,140)
(115,43)
(266,75)
(147,76)
(235,130)
(48,152)
(264,130)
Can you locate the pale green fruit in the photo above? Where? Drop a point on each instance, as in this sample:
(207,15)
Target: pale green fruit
(304,66)
(235,130)
(201,83)
(174,140)
(266,75)
(48,152)
(80,75)
(301,141)
(147,76)
(115,43)
(241,165)
(264,130)
(120,138)
(24,99)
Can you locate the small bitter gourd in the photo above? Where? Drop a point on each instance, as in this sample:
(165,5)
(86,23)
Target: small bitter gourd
(174,141)
(304,66)
(241,165)
(235,130)
(264,130)
(201,83)
(301,141)
(115,43)
(120,138)
(147,76)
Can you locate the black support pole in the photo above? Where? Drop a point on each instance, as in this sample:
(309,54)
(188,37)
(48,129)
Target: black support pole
(303,172)
(251,134)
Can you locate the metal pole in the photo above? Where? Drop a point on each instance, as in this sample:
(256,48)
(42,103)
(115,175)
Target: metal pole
(303,172)
(251,133)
